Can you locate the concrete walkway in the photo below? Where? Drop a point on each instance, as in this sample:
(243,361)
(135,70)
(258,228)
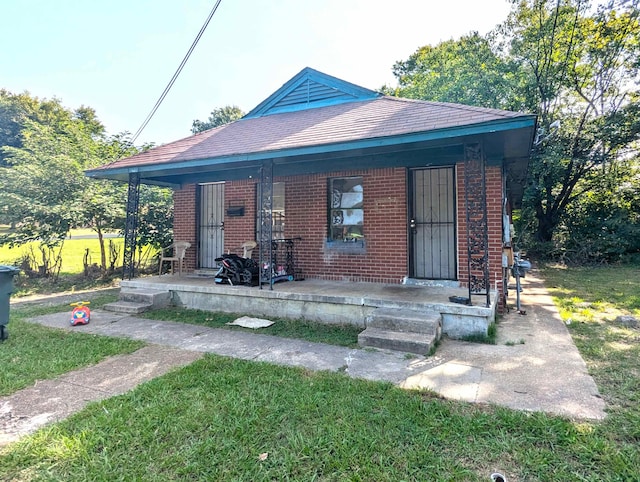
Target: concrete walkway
(534,366)
(53,400)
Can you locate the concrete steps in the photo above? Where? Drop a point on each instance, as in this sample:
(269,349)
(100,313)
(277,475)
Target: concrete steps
(135,300)
(402,330)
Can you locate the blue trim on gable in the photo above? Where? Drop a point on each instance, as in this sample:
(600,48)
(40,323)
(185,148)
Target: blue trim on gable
(310,89)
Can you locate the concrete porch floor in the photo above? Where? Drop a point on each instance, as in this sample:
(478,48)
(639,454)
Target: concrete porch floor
(325,301)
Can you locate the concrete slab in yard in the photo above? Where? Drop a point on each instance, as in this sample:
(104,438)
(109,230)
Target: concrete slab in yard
(455,381)
(52,400)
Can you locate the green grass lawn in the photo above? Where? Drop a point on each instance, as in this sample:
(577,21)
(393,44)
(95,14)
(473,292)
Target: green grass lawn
(590,300)
(72,253)
(35,352)
(224,419)
(71,274)
(341,335)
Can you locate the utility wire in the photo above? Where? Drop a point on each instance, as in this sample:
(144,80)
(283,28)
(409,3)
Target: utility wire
(175,75)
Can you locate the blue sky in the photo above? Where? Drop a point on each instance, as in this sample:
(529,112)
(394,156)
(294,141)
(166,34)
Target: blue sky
(118,55)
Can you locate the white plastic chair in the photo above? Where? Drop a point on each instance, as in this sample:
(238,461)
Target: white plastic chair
(178,250)
(247,248)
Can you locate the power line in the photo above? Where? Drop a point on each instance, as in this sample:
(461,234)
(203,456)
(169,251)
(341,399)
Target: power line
(176,74)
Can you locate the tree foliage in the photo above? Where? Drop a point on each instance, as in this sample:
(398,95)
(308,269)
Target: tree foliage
(44,183)
(574,66)
(155,222)
(582,70)
(219,117)
(16,110)
(605,225)
(45,150)
(464,71)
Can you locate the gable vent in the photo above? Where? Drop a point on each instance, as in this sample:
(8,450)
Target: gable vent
(310,92)
(310,89)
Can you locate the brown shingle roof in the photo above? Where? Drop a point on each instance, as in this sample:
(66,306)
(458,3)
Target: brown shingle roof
(342,123)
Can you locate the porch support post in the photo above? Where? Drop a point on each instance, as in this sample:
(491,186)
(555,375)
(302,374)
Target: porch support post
(475,195)
(266,225)
(131,226)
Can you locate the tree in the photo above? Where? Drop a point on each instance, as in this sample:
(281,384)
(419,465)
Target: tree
(572,66)
(218,117)
(155,221)
(465,71)
(44,184)
(11,121)
(582,69)
(103,211)
(17,109)
(46,192)
(89,121)
(45,149)
(605,224)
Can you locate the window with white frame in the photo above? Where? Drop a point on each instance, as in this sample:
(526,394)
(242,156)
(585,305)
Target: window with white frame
(346,213)
(277,211)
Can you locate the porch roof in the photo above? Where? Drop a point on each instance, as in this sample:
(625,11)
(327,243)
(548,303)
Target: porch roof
(315,118)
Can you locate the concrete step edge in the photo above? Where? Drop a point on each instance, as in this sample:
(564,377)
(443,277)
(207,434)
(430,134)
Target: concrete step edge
(407,311)
(156,297)
(122,306)
(398,341)
(406,314)
(426,323)
(143,290)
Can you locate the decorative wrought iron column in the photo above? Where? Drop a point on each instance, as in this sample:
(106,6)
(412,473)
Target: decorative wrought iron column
(475,195)
(266,224)
(131,226)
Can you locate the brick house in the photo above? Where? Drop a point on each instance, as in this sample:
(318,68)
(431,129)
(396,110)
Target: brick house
(372,188)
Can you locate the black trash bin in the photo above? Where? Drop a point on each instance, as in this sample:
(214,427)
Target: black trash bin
(6,288)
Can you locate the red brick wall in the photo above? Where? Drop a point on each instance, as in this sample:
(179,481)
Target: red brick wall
(184,222)
(238,230)
(385,224)
(385,227)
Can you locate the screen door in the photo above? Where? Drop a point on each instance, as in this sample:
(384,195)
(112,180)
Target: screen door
(211,223)
(432,224)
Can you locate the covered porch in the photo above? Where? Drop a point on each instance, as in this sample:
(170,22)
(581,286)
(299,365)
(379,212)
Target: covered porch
(376,189)
(364,180)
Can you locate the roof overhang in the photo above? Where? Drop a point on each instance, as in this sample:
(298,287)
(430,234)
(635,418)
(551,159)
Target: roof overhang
(506,141)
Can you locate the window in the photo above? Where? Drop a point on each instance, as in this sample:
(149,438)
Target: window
(277,211)
(346,216)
